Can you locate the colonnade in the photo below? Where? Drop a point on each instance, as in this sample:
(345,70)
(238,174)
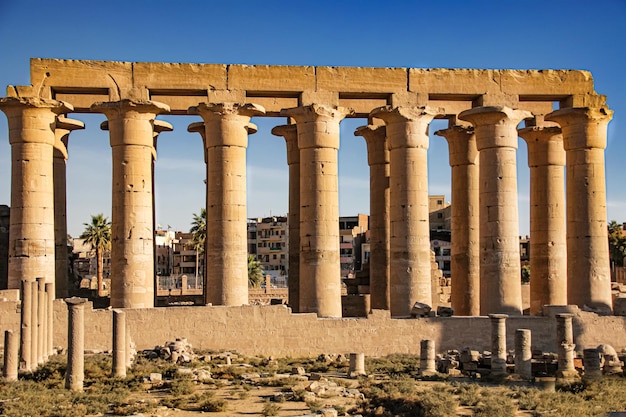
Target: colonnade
(485,247)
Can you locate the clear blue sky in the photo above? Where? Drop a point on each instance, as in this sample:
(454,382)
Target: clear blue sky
(570,34)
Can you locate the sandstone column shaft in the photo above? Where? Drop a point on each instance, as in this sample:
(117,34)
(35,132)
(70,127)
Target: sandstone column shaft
(119,344)
(34,340)
(548,266)
(75,373)
(132,227)
(226,132)
(11,359)
(26,332)
(409,230)
(31,231)
(357,364)
(523,353)
(50,289)
(378,160)
(427,357)
(498,344)
(64,127)
(588,269)
(320,271)
(500,270)
(41,320)
(290,133)
(465,249)
(565,344)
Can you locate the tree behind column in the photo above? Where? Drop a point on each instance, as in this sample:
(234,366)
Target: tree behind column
(98,235)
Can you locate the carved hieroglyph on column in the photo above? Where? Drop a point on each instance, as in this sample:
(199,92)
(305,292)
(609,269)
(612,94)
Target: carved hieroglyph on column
(290,133)
(378,160)
(320,270)
(64,127)
(465,250)
(588,269)
(548,266)
(496,140)
(132,232)
(31,230)
(409,248)
(226,140)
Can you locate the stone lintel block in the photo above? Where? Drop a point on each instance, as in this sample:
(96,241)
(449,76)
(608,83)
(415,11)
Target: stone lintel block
(273,105)
(190,77)
(407,99)
(545,82)
(453,84)
(450,108)
(584,99)
(361,79)
(328,98)
(271,78)
(362,107)
(226,96)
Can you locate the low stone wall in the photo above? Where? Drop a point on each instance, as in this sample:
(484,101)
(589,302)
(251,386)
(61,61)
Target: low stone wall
(273,330)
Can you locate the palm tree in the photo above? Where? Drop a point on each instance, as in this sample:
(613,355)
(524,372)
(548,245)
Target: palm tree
(198,229)
(255,272)
(98,235)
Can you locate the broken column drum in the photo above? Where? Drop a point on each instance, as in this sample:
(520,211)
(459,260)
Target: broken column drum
(75,373)
(498,344)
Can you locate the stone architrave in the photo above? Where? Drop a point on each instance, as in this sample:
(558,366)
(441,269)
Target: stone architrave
(130,125)
(75,373)
(290,133)
(548,265)
(63,128)
(320,270)
(409,230)
(588,269)
(26,332)
(498,344)
(31,230)
(465,220)
(226,140)
(500,269)
(378,160)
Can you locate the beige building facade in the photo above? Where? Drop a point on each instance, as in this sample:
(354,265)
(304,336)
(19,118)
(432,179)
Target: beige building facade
(489,104)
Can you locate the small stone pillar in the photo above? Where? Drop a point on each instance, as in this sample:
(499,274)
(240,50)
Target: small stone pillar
(26,331)
(500,269)
(378,161)
(588,269)
(75,372)
(11,358)
(290,133)
(63,128)
(42,320)
(119,344)
(34,341)
(566,346)
(409,246)
(592,363)
(31,124)
(498,344)
(357,365)
(523,353)
(427,358)
(226,140)
(131,132)
(320,267)
(50,294)
(465,220)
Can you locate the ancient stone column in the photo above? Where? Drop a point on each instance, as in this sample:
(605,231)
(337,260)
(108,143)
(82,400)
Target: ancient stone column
(50,290)
(565,345)
(409,248)
(290,133)
(31,231)
(64,127)
(119,344)
(42,320)
(11,358)
(226,132)
(34,340)
(320,269)
(500,270)
(548,266)
(378,160)
(498,344)
(523,353)
(427,358)
(464,248)
(357,365)
(26,331)
(75,372)
(132,226)
(588,269)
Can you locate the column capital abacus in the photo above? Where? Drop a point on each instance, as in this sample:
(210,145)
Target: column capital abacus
(545,145)
(226,109)
(30,115)
(407,126)
(56,106)
(290,133)
(125,108)
(587,120)
(376,138)
(159,126)
(461,144)
(317,112)
(63,128)
(317,124)
(488,118)
(226,124)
